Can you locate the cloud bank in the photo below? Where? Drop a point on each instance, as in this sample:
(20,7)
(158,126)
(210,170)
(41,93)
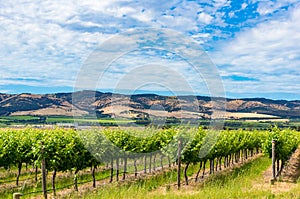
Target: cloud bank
(253,43)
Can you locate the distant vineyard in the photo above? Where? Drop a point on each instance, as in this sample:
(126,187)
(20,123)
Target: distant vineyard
(71,150)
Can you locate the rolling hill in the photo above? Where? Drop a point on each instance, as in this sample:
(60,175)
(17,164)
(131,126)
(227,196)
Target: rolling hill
(89,102)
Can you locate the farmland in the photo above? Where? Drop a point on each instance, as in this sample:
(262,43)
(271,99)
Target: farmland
(6,121)
(65,121)
(118,163)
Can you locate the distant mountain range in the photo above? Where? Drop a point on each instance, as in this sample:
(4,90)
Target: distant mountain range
(108,104)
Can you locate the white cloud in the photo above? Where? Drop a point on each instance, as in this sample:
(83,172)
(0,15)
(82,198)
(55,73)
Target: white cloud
(244,5)
(37,43)
(268,7)
(49,40)
(221,3)
(177,53)
(231,14)
(205,18)
(268,52)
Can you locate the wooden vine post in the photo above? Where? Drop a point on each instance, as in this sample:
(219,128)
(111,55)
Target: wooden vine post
(273,162)
(44,182)
(179,163)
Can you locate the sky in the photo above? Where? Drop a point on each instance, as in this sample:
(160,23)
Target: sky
(253,45)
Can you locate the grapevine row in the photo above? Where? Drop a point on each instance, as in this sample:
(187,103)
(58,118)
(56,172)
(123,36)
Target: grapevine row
(71,150)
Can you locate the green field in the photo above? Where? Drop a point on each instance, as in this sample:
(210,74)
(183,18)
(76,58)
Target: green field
(6,121)
(234,184)
(86,120)
(32,120)
(246,181)
(234,165)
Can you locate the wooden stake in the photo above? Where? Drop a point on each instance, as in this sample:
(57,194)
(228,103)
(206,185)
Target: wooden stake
(179,163)
(273,163)
(44,183)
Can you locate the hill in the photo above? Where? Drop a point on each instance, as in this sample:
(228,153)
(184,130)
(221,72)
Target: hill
(89,102)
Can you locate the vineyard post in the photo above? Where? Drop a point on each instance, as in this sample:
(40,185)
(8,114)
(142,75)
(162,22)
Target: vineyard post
(44,185)
(179,163)
(273,163)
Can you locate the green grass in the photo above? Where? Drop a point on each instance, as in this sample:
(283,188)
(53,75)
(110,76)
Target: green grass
(10,175)
(4,120)
(85,120)
(61,182)
(21,117)
(88,120)
(296,123)
(27,179)
(133,189)
(2,125)
(292,194)
(236,184)
(59,119)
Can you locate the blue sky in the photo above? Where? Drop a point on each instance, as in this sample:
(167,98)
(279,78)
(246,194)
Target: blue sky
(254,44)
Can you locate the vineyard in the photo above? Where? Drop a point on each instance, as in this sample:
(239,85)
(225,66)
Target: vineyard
(112,155)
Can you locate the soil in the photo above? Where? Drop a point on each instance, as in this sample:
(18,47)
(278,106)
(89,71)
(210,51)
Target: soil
(291,171)
(288,178)
(277,187)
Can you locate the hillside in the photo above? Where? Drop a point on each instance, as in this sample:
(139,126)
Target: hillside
(89,102)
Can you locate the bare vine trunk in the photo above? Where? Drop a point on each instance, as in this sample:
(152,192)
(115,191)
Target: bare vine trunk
(145,164)
(117,168)
(19,173)
(93,175)
(125,168)
(135,168)
(203,173)
(198,172)
(76,180)
(111,170)
(53,182)
(185,173)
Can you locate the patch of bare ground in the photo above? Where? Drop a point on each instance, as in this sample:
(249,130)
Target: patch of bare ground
(286,182)
(276,188)
(291,172)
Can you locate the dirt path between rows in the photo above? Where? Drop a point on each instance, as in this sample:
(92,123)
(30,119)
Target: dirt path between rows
(276,188)
(291,171)
(286,182)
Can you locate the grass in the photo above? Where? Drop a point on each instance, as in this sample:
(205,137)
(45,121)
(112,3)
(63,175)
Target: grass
(28,185)
(10,175)
(295,123)
(138,186)
(7,179)
(86,120)
(292,194)
(235,184)
(61,119)
(21,117)
(243,182)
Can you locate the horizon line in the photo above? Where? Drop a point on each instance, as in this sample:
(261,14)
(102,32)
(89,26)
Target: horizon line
(149,93)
